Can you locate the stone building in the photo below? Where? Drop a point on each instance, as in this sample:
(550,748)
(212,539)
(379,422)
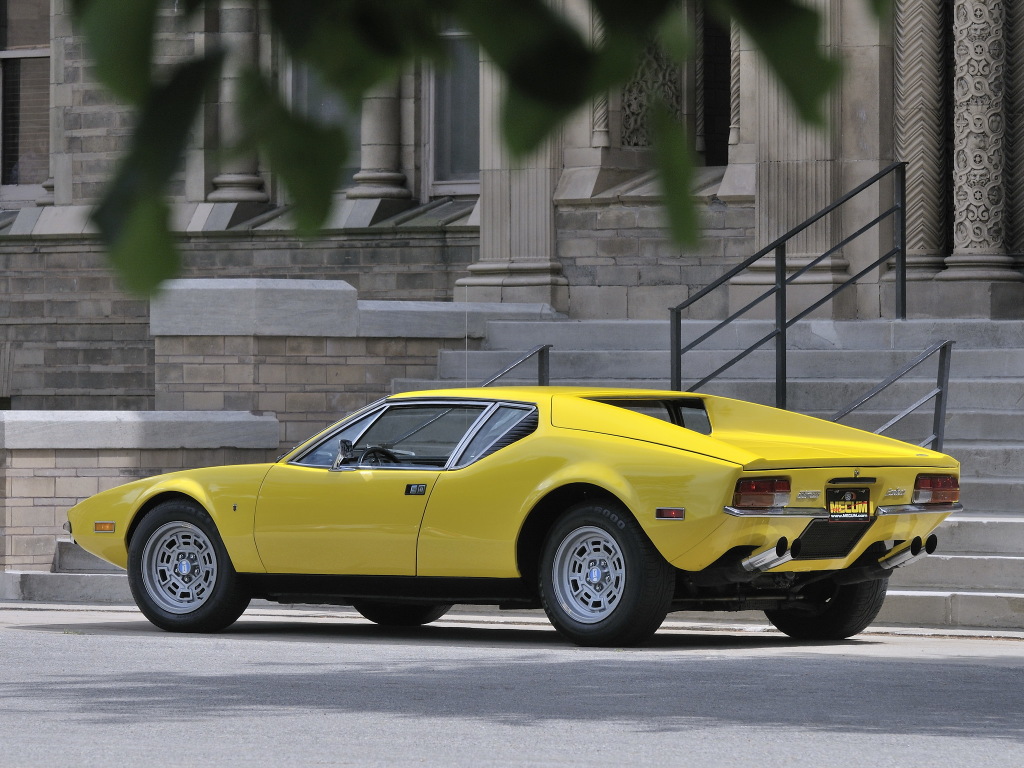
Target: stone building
(433,209)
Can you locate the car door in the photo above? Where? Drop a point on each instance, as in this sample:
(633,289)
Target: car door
(360,513)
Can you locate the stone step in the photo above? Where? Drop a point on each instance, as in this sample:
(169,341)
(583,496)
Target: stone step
(811,334)
(976,533)
(941,571)
(974,425)
(44,587)
(952,609)
(992,495)
(988,460)
(643,364)
(68,557)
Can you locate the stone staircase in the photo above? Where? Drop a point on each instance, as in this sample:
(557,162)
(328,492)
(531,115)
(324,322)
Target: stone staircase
(977,576)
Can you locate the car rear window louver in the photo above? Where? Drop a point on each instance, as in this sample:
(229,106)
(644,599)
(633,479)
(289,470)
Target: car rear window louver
(525,427)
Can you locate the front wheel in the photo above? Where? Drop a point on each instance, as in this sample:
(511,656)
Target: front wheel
(389,614)
(602,582)
(179,572)
(843,613)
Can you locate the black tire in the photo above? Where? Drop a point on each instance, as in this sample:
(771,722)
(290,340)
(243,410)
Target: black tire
(400,614)
(845,612)
(602,582)
(179,572)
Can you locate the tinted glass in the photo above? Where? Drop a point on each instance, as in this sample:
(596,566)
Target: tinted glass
(500,422)
(421,432)
(26,121)
(457,113)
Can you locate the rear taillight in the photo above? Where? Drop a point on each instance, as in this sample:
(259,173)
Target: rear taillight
(936,489)
(762,492)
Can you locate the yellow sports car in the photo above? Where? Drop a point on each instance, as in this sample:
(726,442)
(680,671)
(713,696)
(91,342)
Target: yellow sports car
(608,507)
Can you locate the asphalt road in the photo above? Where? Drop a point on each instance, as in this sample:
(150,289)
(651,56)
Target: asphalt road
(83,686)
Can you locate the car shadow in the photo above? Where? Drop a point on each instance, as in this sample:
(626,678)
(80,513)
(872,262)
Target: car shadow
(465,633)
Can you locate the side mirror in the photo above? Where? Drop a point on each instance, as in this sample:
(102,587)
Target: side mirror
(345,453)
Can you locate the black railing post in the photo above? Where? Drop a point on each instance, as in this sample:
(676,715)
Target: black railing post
(544,365)
(941,384)
(780,326)
(900,238)
(675,333)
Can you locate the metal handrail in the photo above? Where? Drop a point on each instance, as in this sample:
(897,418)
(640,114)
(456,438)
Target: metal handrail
(543,366)
(782,280)
(939,393)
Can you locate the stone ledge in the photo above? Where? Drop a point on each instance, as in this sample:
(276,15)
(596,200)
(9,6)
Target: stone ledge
(128,430)
(254,307)
(318,308)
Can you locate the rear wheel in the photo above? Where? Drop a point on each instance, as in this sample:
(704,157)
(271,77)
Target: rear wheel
(179,572)
(847,611)
(400,614)
(602,582)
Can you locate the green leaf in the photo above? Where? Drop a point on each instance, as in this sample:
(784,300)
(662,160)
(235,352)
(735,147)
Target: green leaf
(119,36)
(355,44)
(881,8)
(132,217)
(144,253)
(307,156)
(526,123)
(788,35)
(542,56)
(675,169)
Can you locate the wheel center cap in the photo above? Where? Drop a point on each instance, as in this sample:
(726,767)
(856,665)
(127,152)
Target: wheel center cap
(594,575)
(184,568)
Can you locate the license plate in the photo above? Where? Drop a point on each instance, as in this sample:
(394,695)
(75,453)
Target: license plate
(848,505)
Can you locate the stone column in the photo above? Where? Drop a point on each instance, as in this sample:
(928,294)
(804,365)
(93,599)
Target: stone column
(239,180)
(979,145)
(921,132)
(379,190)
(517,215)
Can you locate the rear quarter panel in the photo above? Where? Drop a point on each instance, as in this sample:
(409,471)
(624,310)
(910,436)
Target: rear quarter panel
(475,514)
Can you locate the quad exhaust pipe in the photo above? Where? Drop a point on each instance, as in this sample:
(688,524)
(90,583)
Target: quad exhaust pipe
(771,558)
(915,551)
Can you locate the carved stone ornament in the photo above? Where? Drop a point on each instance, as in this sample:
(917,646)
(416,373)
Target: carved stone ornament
(979,161)
(656,77)
(978,128)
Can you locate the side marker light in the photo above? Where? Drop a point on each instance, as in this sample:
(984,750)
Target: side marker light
(670,513)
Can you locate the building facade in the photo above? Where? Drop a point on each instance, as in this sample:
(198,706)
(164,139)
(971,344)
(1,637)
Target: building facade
(432,208)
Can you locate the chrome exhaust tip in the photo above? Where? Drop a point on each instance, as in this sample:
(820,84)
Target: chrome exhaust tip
(771,558)
(915,551)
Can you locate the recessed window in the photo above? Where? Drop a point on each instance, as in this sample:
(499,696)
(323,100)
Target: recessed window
(453,141)
(25,99)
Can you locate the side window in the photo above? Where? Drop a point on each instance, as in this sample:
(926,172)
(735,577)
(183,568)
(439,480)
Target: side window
(506,425)
(324,454)
(423,435)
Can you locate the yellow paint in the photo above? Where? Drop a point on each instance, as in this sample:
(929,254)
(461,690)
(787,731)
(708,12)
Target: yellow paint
(285,518)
